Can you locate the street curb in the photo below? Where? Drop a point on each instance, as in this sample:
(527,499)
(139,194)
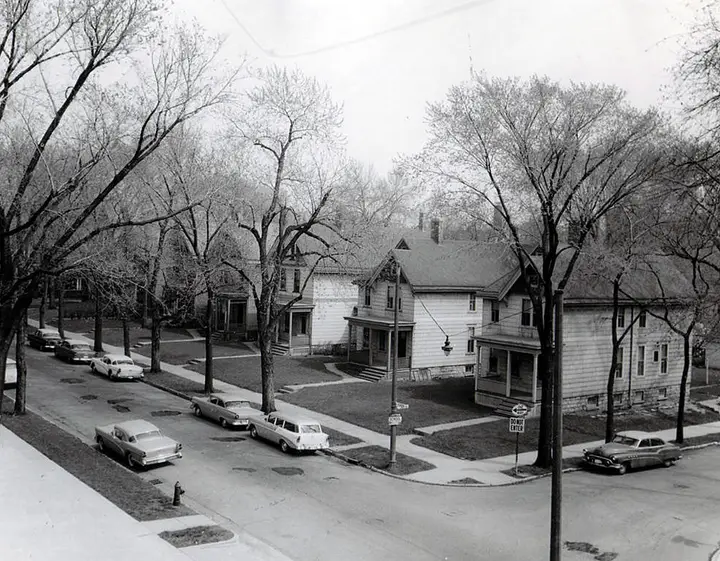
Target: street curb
(166,389)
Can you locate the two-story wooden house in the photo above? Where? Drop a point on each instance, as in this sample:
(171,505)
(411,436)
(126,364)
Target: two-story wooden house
(649,360)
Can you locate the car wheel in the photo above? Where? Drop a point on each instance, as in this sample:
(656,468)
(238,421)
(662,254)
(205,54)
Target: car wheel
(223,423)
(284,448)
(101,444)
(253,431)
(668,463)
(622,469)
(130,461)
(197,411)
(92,366)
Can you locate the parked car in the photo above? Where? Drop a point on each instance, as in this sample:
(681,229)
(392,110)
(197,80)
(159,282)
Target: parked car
(10,374)
(291,433)
(74,350)
(44,339)
(138,442)
(228,410)
(117,367)
(630,450)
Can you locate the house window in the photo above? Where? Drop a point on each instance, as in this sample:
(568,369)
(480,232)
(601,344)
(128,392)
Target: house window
(390,304)
(367,296)
(286,323)
(662,393)
(621,317)
(493,362)
(617,399)
(382,343)
(469,368)
(303,325)
(638,396)
(365,337)
(619,363)
(283,280)
(528,317)
(642,319)
(296,280)
(473,302)
(593,402)
(471,341)
(663,358)
(495,311)
(641,360)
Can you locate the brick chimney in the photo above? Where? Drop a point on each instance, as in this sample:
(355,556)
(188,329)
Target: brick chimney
(435,230)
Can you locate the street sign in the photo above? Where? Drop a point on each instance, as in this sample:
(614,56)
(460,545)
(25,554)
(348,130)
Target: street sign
(517,424)
(399,405)
(394,419)
(520,410)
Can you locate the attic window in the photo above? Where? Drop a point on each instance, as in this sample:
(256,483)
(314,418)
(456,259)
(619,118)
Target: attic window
(296,280)
(368,295)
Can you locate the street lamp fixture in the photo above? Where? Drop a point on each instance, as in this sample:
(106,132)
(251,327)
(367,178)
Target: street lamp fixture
(447,347)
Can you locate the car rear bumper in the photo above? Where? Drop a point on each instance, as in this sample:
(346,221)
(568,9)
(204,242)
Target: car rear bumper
(300,446)
(238,422)
(160,459)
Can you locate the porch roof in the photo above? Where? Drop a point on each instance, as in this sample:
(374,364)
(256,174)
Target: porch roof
(385,323)
(509,343)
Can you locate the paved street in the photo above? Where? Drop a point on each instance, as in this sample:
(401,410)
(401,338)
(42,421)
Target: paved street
(316,508)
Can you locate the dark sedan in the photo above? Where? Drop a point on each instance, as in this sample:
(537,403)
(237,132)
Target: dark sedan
(44,339)
(74,350)
(630,450)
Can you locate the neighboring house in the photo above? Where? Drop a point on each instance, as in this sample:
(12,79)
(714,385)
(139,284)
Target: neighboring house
(441,291)
(650,357)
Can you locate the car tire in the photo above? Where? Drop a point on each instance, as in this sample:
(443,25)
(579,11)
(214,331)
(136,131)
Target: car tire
(130,461)
(101,444)
(223,423)
(622,468)
(284,448)
(253,432)
(196,411)
(92,367)
(668,463)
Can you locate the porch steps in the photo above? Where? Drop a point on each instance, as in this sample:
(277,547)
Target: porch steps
(370,374)
(278,349)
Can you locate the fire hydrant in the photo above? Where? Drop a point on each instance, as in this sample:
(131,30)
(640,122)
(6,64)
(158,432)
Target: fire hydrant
(176,494)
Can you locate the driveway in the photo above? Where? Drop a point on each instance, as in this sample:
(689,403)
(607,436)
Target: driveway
(315,508)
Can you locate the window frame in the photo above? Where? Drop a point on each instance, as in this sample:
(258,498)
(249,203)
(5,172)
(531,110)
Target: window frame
(390,299)
(527,317)
(494,311)
(619,359)
(470,342)
(473,302)
(367,297)
(283,279)
(642,319)
(641,360)
(296,281)
(664,358)
(621,316)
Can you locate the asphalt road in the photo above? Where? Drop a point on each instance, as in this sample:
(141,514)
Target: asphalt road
(317,508)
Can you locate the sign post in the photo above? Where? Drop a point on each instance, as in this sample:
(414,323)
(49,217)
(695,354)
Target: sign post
(517,425)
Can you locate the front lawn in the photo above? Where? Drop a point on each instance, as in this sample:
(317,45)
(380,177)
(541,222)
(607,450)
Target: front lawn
(368,405)
(181,353)
(379,457)
(490,440)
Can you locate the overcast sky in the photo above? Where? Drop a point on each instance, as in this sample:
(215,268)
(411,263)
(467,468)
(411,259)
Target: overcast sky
(385,59)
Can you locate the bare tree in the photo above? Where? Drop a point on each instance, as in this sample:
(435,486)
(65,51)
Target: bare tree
(551,157)
(69,143)
(288,126)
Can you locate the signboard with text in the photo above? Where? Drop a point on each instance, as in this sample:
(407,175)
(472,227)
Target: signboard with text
(394,419)
(517,424)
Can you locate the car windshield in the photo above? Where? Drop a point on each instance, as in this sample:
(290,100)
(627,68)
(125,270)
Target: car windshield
(310,428)
(81,347)
(237,404)
(621,439)
(147,435)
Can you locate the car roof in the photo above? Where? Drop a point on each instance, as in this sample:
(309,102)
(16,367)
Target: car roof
(230,396)
(77,341)
(48,330)
(136,426)
(115,356)
(296,420)
(10,361)
(637,434)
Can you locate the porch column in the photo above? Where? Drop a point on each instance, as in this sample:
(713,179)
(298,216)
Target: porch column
(508,374)
(309,332)
(478,354)
(370,344)
(227,315)
(350,329)
(290,334)
(389,351)
(534,378)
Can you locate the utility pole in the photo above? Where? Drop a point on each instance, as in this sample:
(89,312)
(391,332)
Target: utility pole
(393,393)
(556,492)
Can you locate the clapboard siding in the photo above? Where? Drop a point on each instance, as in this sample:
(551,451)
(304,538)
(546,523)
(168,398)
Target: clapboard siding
(451,311)
(378,301)
(588,351)
(334,298)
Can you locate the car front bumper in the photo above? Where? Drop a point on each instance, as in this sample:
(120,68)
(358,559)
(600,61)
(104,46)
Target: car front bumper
(600,463)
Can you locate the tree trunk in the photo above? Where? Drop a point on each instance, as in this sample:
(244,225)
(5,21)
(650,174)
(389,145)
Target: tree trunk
(265,340)
(126,336)
(144,309)
(544,457)
(155,332)
(10,314)
(51,292)
(209,343)
(679,431)
(20,391)
(43,303)
(98,347)
(61,310)
(610,415)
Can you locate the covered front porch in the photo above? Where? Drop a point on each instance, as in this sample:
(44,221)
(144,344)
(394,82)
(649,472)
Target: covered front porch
(506,372)
(294,330)
(230,315)
(370,343)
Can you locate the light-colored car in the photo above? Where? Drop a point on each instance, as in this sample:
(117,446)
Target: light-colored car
(117,367)
(74,350)
(138,442)
(630,450)
(290,432)
(227,409)
(10,374)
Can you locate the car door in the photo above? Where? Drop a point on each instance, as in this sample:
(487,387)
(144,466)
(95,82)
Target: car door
(660,450)
(266,427)
(277,430)
(116,441)
(212,408)
(647,453)
(222,412)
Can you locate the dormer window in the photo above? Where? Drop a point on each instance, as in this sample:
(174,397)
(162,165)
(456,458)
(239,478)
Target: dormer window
(368,295)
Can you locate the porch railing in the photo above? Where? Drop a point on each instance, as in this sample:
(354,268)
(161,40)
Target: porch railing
(522,331)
